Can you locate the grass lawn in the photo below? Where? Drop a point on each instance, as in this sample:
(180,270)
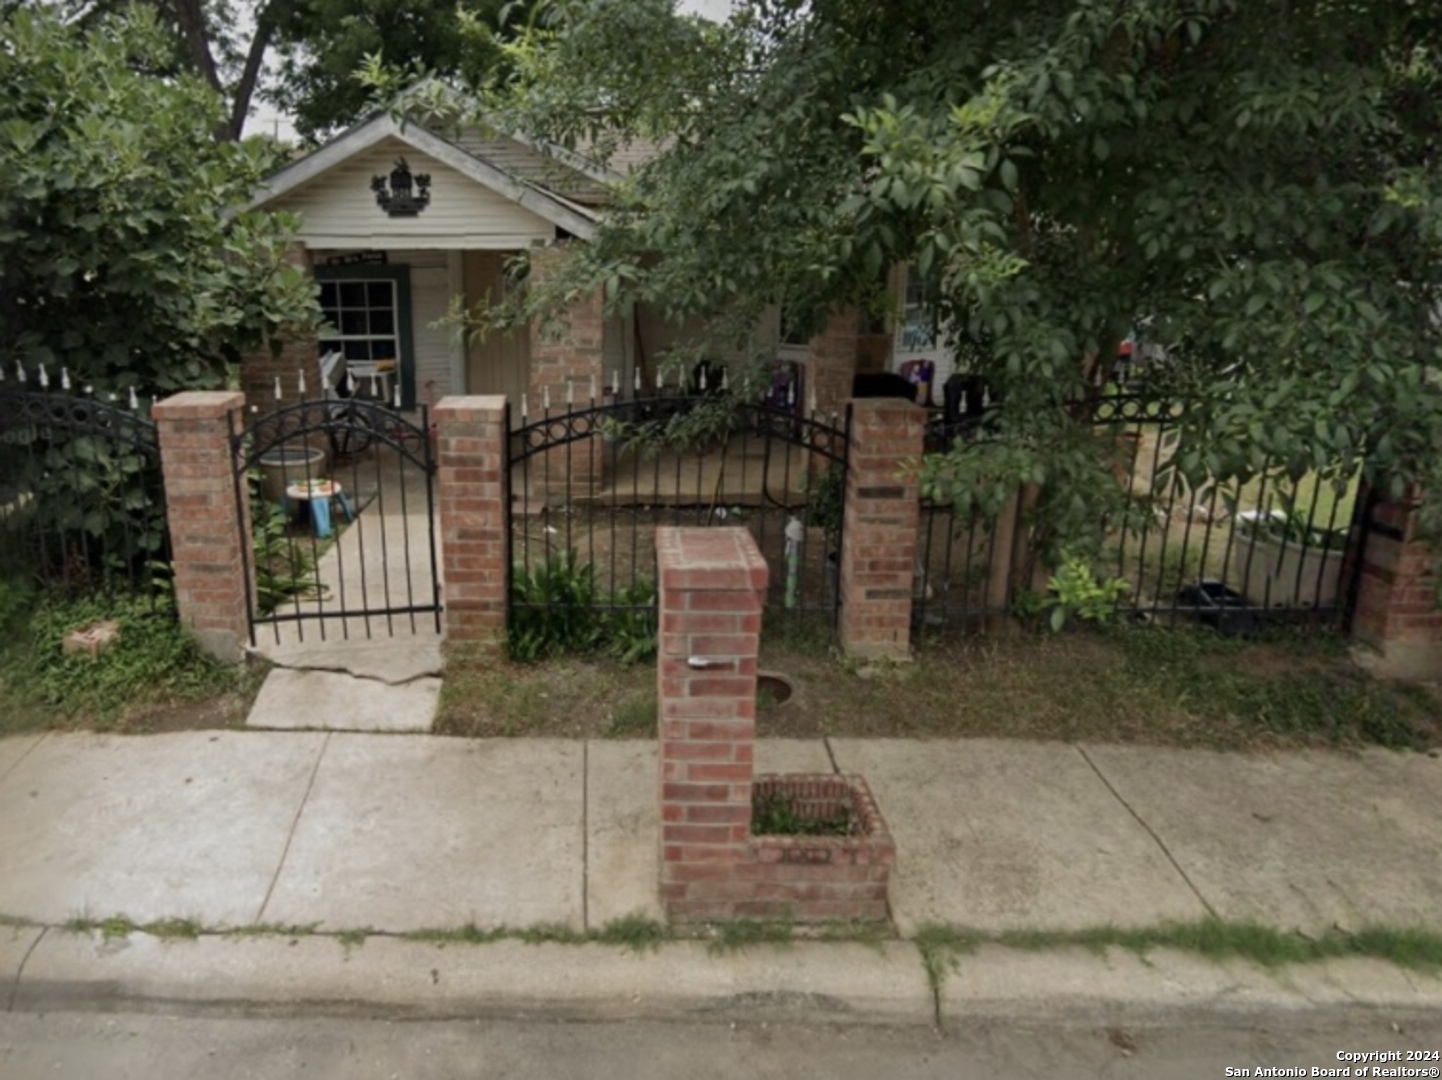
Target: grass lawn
(152,679)
(1144,685)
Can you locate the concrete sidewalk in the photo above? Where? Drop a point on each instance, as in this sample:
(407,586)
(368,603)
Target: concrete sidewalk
(393,834)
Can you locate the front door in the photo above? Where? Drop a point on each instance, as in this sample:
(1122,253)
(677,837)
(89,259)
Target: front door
(499,363)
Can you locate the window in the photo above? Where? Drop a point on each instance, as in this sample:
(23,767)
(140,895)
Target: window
(364,313)
(918,321)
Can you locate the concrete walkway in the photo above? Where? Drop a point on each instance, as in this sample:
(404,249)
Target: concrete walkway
(362,672)
(393,834)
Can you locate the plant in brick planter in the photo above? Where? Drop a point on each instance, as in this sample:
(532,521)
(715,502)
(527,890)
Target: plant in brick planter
(821,847)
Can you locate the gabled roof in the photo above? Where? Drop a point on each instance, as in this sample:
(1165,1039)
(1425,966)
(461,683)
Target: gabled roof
(567,213)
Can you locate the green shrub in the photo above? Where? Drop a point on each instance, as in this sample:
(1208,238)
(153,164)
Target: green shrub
(557,607)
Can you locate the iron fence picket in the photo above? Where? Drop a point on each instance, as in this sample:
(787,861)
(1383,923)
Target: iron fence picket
(1173,575)
(82,495)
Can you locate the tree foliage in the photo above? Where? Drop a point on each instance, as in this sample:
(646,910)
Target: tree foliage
(322,43)
(124,257)
(1260,180)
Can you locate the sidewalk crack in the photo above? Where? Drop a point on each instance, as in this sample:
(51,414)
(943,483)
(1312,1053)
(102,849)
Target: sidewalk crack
(32,748)
(1150,831)
(20,971)
(294,824)
(586,836)
(340,669)
(830,754)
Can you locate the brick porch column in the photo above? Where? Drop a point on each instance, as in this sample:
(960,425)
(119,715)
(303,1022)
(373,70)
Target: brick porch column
(260,369)
(567,354)
(1396,612)
(200,504)
(712,581)
(473,490)
(878,540)
(831,361)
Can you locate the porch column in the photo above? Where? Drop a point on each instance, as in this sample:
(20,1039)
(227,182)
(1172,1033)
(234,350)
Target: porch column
(260,369)
(473,491)
(831,361)
(201,506)
(1396,614)
(567,361)
(878,538)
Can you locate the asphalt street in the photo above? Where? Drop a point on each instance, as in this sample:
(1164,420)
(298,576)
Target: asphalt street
(99,1046)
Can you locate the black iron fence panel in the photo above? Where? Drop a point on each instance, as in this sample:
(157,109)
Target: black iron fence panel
(589,484)
(82,498)
(342,531)
(1232,554)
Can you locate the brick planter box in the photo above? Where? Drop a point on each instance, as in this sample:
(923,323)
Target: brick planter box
(820,878)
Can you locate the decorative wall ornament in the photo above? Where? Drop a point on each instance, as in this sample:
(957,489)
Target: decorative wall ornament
(399,200)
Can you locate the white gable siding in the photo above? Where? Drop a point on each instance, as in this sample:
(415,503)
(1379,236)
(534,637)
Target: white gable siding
(338,208)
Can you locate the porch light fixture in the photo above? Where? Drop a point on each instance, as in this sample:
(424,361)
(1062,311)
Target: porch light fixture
(400,199)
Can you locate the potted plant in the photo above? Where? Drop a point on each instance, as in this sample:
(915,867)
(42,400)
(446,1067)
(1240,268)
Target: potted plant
(1283,561)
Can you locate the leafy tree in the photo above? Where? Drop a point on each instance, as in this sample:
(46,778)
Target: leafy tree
(322,43)
(1260,179)
(123,255)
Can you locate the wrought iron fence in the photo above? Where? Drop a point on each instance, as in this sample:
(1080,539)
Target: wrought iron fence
(1230,554)
(82,498)
(590,482)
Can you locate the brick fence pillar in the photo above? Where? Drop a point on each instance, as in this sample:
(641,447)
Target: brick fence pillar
(474,488)
(878,544)
(200,501)
(712,581)
(1396,613)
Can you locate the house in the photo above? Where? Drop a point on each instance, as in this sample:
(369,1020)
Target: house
(400,221)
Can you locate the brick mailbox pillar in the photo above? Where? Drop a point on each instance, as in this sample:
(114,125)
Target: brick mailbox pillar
(878,547)
(712,581)
(473,487)
(200,500)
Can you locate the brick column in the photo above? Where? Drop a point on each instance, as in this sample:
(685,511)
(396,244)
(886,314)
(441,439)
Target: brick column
(831,361)
(1396,612)
(200,502)
(473,487)
(567,353)
(260,369)
(712,581)
(878,545)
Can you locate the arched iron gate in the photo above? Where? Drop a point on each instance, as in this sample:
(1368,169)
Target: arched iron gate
(342,538)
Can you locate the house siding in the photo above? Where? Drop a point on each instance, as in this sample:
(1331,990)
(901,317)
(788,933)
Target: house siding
(338,209)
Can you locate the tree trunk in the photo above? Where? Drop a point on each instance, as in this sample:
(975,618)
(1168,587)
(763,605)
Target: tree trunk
(245,89)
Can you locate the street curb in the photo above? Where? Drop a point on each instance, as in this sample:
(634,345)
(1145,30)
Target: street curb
(805,981)
(841,982)
(1084,986)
